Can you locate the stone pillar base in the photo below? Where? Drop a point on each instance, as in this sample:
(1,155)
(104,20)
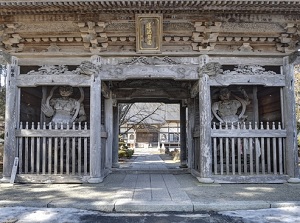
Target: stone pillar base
(183,165)
(115,165)
(95,180)
(5,180)
(294,180)
(205,180)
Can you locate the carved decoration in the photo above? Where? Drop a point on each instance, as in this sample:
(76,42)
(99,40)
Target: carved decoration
(150,61)
(85,68)
(249,70)
(94,37)
(246,47)
(10,39)
(247,74)
(211,69)
(53,48)
(147,71)
(205,36)
(289,40)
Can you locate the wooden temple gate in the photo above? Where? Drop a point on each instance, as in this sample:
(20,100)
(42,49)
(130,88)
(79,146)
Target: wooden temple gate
(184,52)
(255,150)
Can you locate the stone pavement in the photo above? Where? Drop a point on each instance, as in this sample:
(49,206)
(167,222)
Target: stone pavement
(150,184)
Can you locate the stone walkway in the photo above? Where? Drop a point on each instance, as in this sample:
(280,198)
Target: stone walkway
(148,183)
(147,187)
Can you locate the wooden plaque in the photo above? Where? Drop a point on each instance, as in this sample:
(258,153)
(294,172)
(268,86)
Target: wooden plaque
(148,33)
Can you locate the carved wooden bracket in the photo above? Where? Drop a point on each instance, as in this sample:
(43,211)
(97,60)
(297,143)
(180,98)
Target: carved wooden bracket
(290,39)
(205,36)
(10,39)
(94,37)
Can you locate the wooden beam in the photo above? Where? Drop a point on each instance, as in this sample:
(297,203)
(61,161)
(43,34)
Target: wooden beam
(39,80)
(265,80)
(248,133)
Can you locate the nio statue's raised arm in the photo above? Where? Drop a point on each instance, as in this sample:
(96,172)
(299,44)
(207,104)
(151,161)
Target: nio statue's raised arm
(64,109)
(226,110)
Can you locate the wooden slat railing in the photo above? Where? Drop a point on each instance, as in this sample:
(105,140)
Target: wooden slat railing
(54,149)
(243,150)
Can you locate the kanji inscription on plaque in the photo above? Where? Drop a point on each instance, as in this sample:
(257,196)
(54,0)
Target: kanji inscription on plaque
(149,33)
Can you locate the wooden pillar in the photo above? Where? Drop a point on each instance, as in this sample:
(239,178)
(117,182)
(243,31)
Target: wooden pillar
(115,144)
(95,138)
(205,130)
(191,123)
(11,119)
(183,148)
(109,129)
(290,119)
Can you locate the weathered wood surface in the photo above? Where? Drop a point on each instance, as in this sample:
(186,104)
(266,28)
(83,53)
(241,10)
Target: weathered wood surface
(232,143)
(11,118)
(248,133)
(55,150)
(183,141)
(115,135)
(95,139)
(109,129)
(53,133)
(190,127)
(205,130)
(39,80)
(123,72)
(266,80)
(14,170)
(290,119)
(270,104)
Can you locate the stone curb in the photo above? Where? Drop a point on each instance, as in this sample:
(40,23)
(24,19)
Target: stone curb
(284,204)
(230,205)
(128,205)
(84,205)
